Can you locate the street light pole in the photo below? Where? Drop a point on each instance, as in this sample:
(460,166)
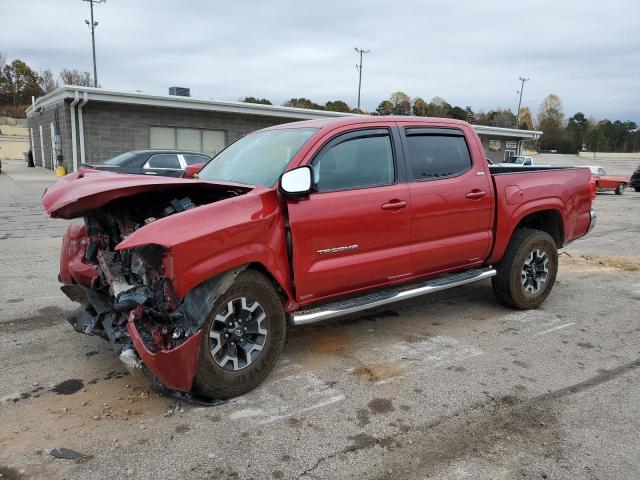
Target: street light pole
(522,79)
(359,67)
(93,26)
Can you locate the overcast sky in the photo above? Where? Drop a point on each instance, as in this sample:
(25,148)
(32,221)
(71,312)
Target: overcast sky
(469,53)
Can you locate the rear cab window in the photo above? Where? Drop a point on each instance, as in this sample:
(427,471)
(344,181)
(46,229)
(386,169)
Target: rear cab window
(354,160)
(434,153)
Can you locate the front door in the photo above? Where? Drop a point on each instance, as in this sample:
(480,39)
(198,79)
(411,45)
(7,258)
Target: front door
(451,199)
(352,232)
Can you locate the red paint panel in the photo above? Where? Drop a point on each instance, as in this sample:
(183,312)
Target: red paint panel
(217,237)
(79,193)
(451,218)
(565,191)
(347,219)
(610,182)
(73,268)
(175,368)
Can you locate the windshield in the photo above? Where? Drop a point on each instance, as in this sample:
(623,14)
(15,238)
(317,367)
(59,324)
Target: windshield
(257,159)
(120,159)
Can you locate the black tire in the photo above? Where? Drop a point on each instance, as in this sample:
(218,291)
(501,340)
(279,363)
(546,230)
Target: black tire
(637,189)
(508,283)
(620,189)
(216,382)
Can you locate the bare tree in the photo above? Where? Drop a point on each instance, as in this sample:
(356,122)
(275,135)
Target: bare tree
(48,82)
(76,77)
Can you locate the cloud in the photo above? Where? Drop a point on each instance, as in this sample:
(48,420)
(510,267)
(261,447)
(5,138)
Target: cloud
(470,53)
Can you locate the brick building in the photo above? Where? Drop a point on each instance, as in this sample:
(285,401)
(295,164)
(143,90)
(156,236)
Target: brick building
(91,125)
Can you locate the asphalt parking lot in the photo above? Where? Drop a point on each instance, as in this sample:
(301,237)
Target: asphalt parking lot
(449,386)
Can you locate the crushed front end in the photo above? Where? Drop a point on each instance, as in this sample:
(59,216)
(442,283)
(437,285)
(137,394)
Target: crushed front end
(127,297)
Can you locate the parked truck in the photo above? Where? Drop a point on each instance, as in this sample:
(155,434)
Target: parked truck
(194,281)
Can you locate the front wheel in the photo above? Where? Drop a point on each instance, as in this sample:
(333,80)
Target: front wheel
(637,189)
(528,270)
(620,189)
(241,339)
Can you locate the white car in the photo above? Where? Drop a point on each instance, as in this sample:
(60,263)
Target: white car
(520,161)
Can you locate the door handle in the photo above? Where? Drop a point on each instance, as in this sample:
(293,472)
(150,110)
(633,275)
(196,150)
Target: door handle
(394,205)
(475,194)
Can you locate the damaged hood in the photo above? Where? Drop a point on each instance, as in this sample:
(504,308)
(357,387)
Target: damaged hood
(79,193)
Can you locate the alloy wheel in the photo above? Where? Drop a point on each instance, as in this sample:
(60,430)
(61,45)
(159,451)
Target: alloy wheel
(238,334)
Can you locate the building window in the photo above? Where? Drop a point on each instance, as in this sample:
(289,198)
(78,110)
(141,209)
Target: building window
(195,139)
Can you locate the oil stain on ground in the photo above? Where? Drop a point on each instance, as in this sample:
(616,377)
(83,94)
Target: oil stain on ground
(68,387)
(46,317)
(381,405)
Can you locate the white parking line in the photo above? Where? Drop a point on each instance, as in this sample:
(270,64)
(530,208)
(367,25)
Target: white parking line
(554,329)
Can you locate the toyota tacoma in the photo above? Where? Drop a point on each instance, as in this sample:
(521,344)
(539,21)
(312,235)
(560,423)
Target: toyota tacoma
(194,281)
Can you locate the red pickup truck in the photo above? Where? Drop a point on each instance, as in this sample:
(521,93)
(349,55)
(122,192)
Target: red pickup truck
(194,281)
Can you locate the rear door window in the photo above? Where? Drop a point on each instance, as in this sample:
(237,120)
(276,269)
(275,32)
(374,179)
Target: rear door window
(363,159)
(432,155)
(164,161)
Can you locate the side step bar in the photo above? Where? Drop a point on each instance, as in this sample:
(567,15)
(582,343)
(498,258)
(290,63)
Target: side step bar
(391,295)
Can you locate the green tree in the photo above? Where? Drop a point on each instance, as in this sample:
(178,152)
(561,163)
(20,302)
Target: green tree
(419,107)
(302,103)
(458,113)
(337,106)
(438,107)
(261,101)
(385,108)
(18,82)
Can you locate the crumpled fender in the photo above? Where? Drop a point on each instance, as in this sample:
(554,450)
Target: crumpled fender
(176,368)
(211,239)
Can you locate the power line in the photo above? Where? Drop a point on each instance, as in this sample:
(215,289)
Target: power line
(359,67)
(522,79)
(92,25)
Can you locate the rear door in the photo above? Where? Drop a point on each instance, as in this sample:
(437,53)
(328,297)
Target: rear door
(352,232)
(451,198)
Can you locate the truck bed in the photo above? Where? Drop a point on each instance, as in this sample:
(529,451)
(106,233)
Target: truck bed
(519,191)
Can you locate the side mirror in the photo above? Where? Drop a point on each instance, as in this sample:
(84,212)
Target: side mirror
(191,171)
(297,183)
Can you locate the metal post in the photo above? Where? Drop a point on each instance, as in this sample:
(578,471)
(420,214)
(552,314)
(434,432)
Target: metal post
(93,47)
(93,26)
(522,79)
(359,67)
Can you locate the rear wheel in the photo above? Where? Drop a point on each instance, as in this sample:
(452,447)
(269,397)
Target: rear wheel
(242,338)
(620,189)
(528,270)
(637,189)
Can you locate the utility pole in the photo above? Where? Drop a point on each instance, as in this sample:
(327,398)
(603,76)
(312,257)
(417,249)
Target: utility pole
(522,79)
(92,25)
(359,67)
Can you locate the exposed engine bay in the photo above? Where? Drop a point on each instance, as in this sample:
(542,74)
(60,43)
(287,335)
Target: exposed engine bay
(133,285)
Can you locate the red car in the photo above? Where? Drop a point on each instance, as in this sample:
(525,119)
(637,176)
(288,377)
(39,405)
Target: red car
(194,281)
(607,183)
